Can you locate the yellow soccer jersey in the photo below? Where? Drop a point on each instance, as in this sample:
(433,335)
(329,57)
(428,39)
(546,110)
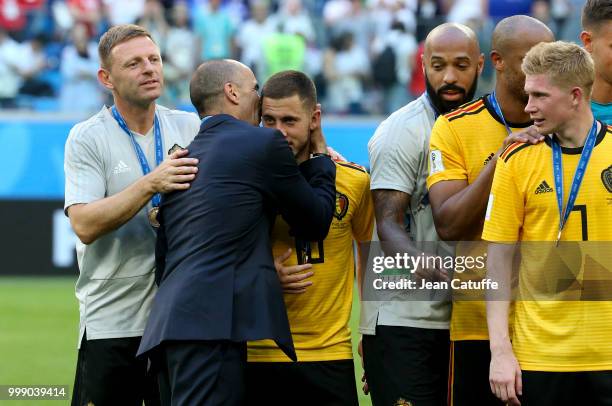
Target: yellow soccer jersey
(319,317)
(554,335)
(462,143)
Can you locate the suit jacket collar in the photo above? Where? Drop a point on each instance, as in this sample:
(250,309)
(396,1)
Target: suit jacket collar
(215,120)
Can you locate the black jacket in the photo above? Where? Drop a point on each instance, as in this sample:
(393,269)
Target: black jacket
(214,259)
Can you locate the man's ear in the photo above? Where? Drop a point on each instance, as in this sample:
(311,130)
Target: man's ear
(497,60)
(231,93)
(423,64)
(104,79)
(481,60)
(587,40)
(577,95)
(315,119)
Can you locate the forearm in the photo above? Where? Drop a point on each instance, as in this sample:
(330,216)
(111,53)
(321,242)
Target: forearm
(390,208)
(497,321)
(93,220)
(394,238)
(308,207)
(464,211)
(499,269)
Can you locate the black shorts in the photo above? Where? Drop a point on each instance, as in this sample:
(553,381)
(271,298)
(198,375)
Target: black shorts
(406,363)
(108,374)
(469,380)
(566,388)
(321,383)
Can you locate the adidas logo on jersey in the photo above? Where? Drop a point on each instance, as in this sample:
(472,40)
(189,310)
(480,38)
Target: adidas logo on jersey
(486,161)
(121,168)
(543,188)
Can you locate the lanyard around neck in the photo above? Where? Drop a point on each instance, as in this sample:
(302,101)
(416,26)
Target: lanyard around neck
(144,164)
(578,175)
(498,111)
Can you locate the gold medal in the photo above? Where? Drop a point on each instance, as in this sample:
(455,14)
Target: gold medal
(153,217)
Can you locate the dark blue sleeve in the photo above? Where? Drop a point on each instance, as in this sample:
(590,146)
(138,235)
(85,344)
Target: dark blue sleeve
(161,248)
(305,195)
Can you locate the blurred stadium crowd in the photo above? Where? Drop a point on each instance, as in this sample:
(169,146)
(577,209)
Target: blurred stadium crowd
(363,56)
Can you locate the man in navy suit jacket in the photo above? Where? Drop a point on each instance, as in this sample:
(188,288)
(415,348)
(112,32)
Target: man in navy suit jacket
(217,284)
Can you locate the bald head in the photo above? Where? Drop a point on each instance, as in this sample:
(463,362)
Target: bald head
(518,31)
(513,37)
(452,62)
(209,80)
(459,35)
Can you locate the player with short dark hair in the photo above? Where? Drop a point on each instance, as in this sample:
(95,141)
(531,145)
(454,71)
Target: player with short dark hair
(317,276)
(291,83)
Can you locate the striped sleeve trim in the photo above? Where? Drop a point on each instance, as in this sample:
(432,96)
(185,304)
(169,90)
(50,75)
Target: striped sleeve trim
(471,107)
(513,149)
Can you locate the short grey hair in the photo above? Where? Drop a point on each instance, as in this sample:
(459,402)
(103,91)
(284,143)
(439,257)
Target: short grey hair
(208,81)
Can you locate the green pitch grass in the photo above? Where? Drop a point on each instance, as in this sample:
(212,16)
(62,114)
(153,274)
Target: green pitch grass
(38,335)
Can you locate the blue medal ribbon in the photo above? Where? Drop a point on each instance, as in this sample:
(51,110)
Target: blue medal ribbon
(578,175)
(144,164)
(498,111)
